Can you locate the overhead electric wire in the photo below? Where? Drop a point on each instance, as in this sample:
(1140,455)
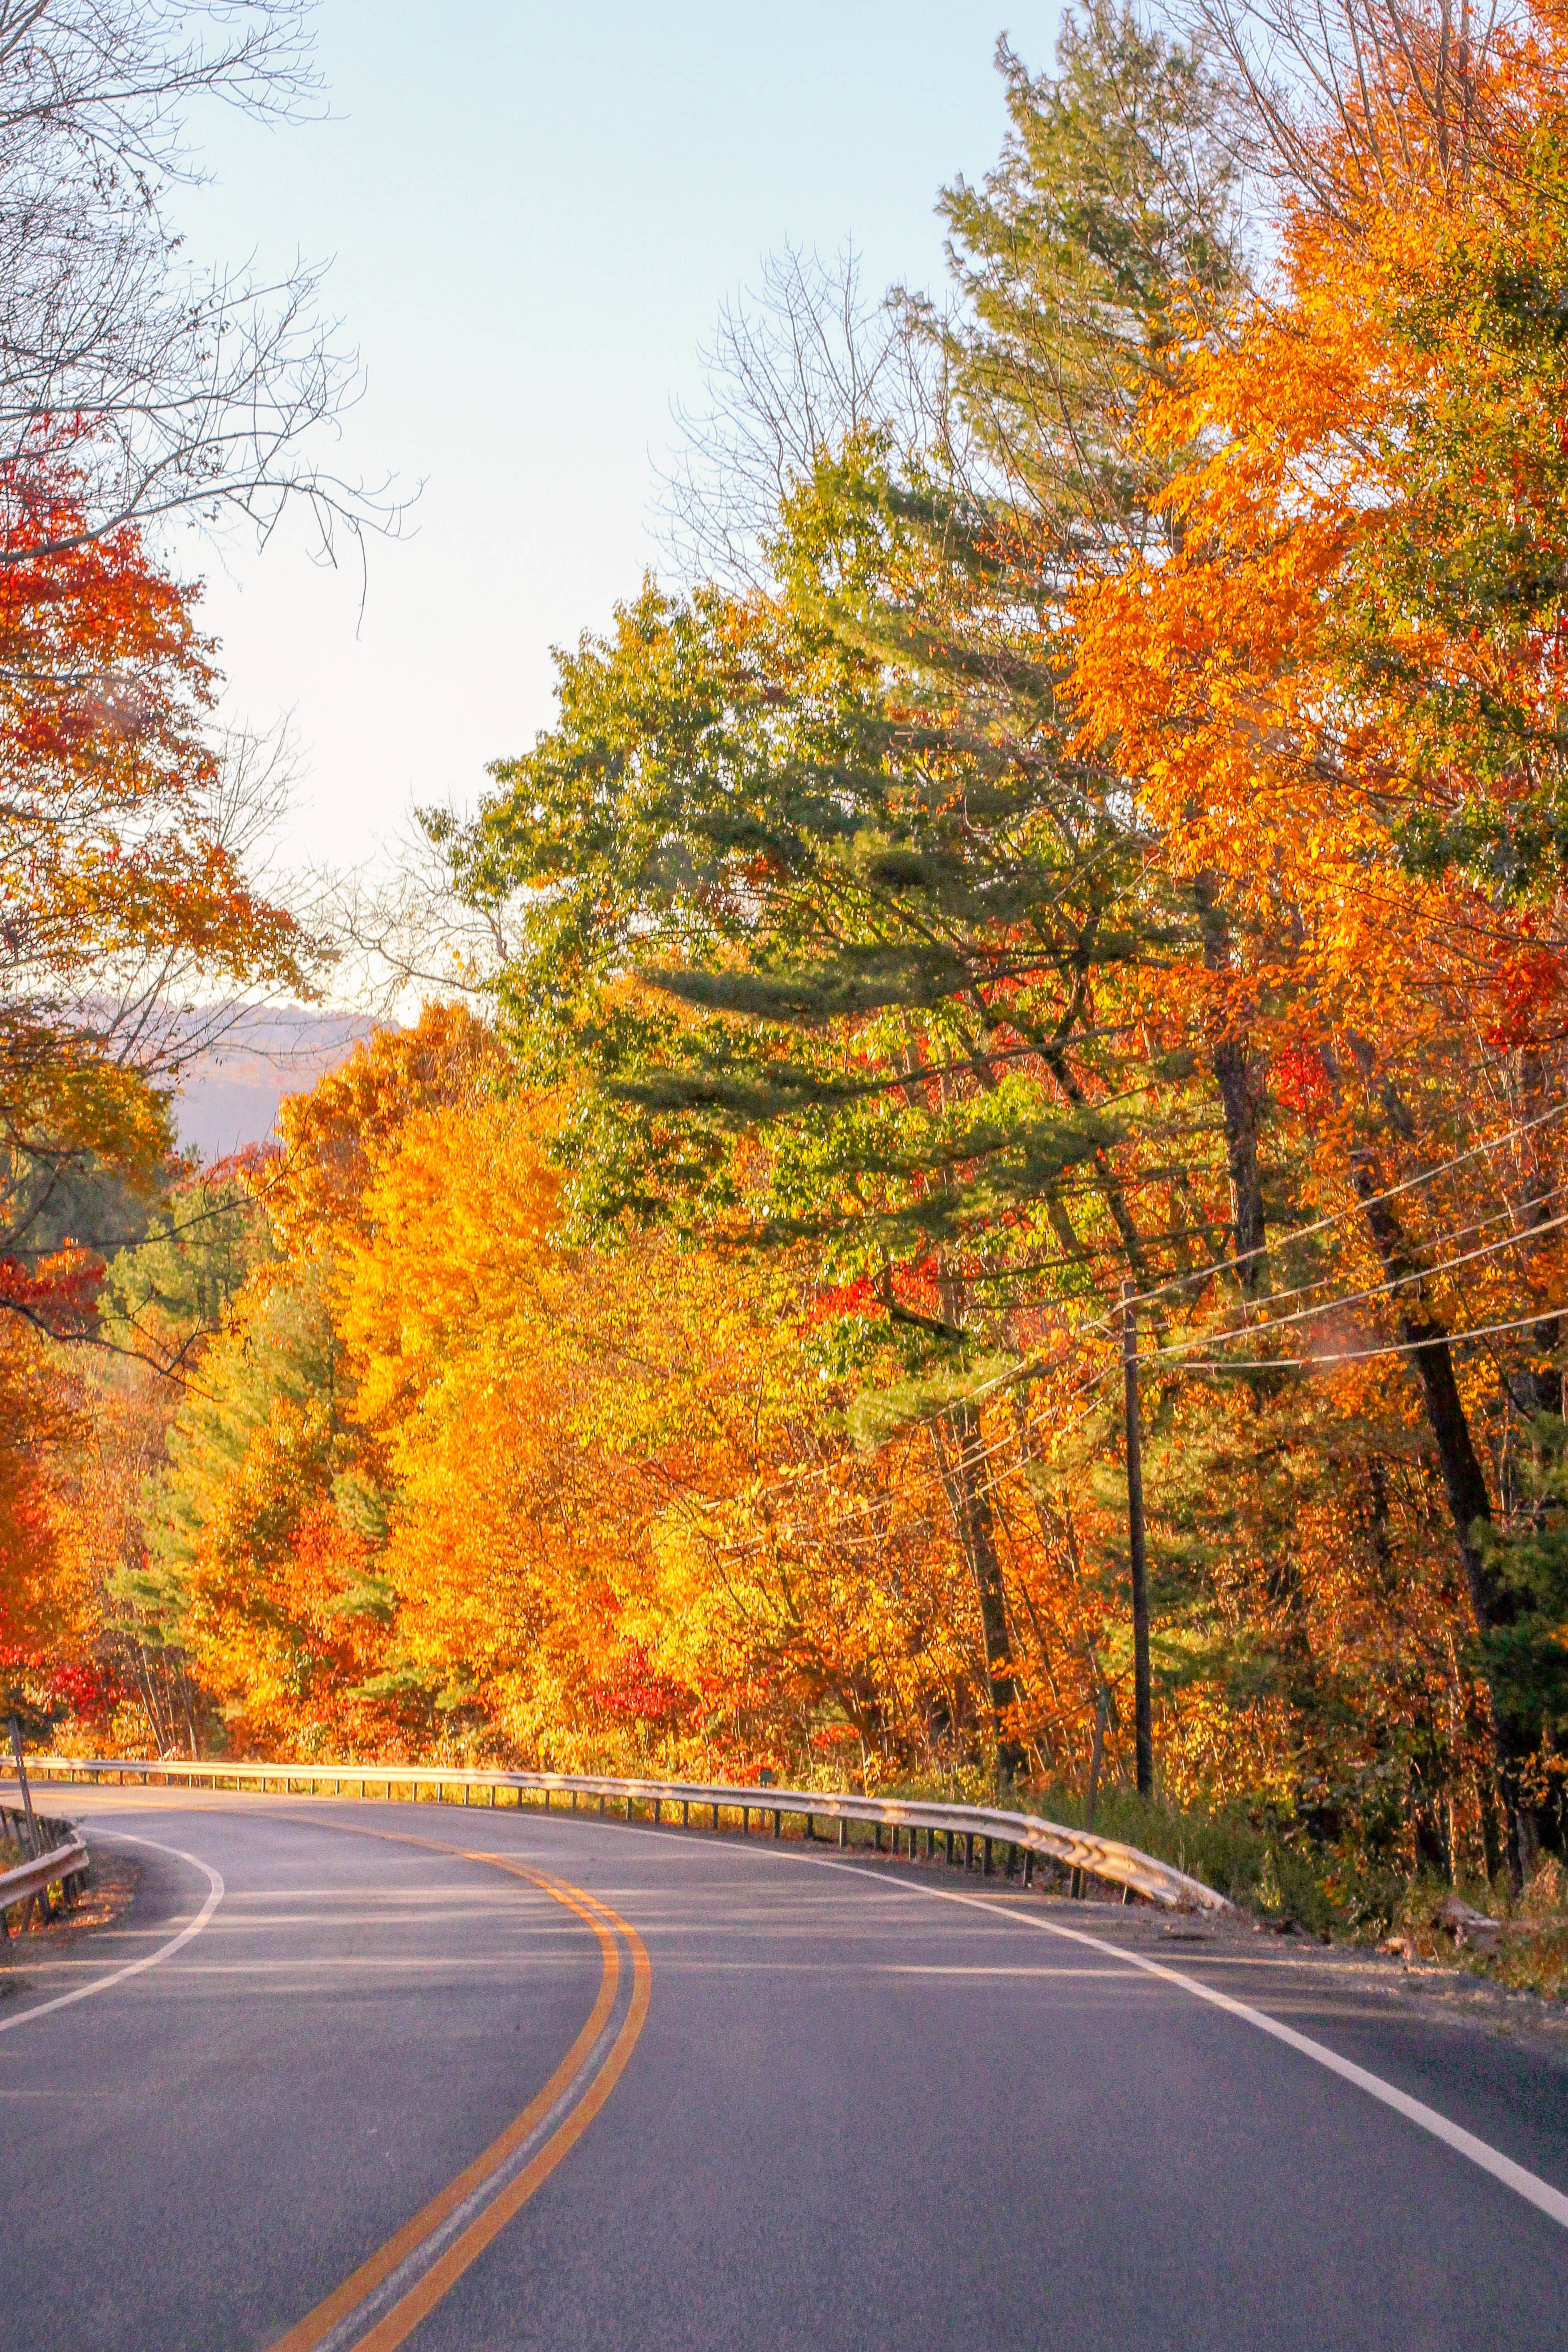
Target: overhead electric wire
(1323,1225)
(1366,1355)
(1354,1298)
(933,1482)
(1277,1297)
(1198,1274)
(1103,1325)
(1186,1349)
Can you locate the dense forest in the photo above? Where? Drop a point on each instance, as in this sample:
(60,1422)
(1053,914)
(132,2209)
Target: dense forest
(1048,927)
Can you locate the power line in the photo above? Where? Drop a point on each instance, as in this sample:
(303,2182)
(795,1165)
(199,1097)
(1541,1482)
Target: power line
(1301,1290)
(1198,1274)
(1323,1225)
(1185,1349)
(1366,1355)
(1356,1298)
(933,1482)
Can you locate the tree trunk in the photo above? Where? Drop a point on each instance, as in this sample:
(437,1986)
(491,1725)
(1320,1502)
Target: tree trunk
(1492,1605)
(1143,1684)
(955,1434)
(1236,1075)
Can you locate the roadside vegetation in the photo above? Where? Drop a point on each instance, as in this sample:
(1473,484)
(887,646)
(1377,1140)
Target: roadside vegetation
(995,1223)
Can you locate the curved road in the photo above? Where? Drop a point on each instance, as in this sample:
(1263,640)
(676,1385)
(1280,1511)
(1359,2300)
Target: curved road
(485,2080)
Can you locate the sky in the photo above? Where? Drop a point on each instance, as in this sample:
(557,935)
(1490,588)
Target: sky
(533,214)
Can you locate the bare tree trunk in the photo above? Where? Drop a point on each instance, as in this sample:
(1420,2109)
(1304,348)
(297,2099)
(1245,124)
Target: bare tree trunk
(1143,1685)
(955,1434)
(1493,1606)
(1237,1078)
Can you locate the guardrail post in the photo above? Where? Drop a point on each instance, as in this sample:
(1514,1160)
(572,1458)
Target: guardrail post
(986,1865)
(685,1813)
(658,1810)
(716,1816)
(745,1821)
(778,1818)
(843,1831)
(968,1849)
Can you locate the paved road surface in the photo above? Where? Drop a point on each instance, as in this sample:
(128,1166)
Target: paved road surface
(834,2107)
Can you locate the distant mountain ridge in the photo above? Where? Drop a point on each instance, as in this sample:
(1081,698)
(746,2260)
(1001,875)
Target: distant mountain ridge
(229,1094)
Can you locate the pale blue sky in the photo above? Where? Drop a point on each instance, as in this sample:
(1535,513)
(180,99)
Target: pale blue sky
(535,213)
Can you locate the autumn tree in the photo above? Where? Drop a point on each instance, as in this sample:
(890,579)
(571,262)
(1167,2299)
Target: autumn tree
(1337,697)
(123,890)
(841,824)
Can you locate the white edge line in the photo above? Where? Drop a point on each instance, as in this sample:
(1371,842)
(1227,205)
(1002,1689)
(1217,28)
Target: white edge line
(1529,2185)
(151,1959)
(1535,2191)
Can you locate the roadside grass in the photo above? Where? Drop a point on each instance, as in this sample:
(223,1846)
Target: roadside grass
(13,1854)
(1235,1848)
(1269,1869)
(1529,1950)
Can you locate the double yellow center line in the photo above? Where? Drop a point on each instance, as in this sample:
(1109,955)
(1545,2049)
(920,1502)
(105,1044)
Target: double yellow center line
(397,2324)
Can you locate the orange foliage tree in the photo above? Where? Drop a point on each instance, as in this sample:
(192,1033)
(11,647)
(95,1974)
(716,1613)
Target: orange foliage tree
(119,888)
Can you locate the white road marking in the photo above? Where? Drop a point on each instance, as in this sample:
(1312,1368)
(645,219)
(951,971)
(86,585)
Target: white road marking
(1528,2184)
(1476,2151)
(151,1959)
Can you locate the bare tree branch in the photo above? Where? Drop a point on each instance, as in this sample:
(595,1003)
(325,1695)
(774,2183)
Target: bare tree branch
(179,389)
(796,368)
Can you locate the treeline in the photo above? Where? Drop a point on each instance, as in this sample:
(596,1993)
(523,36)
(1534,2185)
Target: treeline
(1089,849)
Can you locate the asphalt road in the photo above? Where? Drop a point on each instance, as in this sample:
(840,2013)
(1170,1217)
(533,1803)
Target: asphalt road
(833,2106)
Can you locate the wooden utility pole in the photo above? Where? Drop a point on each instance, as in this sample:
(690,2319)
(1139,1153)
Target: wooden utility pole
(34,1840)
(1144,1735)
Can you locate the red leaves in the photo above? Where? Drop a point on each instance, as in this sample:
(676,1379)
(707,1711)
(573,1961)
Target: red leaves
(59,1294)
(1529,987)
(831,1300)
(79,1687)
(1300,1082)
(97,649)
(636,1692)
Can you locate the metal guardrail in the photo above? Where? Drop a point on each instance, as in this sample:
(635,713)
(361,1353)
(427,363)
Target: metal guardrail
(1022,1835)
(63,1863)
(17,1825)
